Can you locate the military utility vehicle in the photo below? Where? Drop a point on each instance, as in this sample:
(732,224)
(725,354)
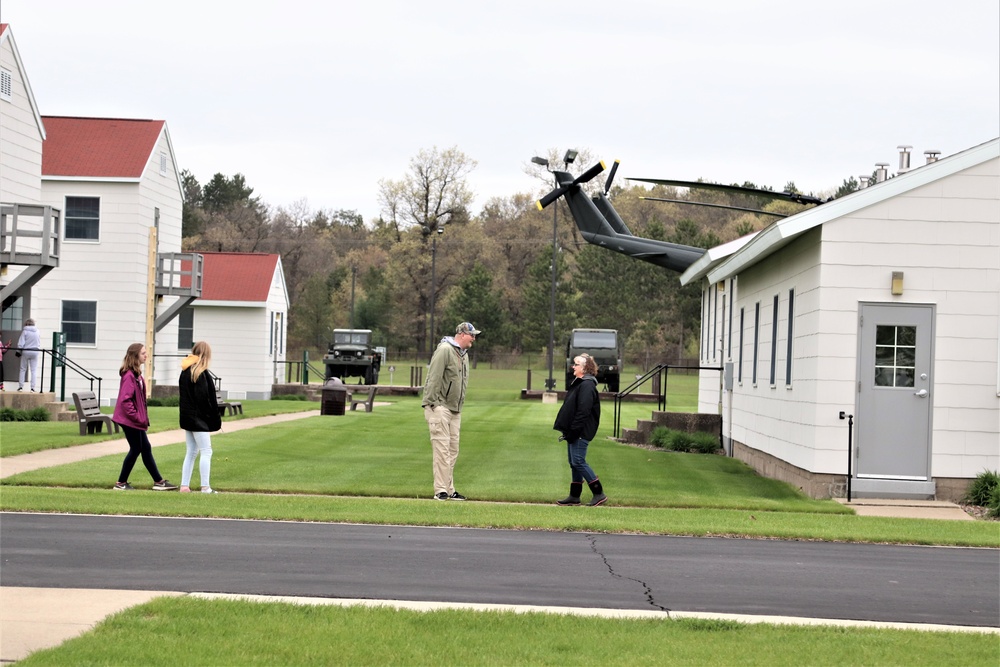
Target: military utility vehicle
(603,346)
(351,355)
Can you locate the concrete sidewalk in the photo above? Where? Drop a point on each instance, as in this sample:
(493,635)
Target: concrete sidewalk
(13,465)
(907,509)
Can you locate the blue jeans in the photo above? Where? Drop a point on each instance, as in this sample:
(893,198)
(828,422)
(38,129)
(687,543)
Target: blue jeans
(577,452)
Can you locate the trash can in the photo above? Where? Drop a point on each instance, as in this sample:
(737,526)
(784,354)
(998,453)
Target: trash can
(334,397)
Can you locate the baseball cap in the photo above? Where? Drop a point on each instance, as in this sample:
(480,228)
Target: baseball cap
(466,327)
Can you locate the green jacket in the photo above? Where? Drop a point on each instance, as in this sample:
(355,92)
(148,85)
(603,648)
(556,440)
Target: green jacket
(447,377)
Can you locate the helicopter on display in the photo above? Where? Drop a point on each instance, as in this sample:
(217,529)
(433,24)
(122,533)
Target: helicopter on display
(600,224)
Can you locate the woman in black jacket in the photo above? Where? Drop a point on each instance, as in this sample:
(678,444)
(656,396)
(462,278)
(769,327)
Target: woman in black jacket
(199,414)
(578,420)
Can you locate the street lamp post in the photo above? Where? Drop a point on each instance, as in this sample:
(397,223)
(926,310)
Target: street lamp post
(550,384)
(430,337)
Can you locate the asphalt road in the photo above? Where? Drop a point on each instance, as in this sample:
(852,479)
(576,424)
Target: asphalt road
(761,577)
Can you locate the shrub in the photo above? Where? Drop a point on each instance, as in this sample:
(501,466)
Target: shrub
(33,415)
(165,402)
(679,441)
(984,491)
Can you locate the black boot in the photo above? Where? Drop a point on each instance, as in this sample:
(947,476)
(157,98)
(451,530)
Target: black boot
(599,497)
(575,489)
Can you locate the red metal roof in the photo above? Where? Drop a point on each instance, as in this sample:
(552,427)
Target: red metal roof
(237,276)
(98,147)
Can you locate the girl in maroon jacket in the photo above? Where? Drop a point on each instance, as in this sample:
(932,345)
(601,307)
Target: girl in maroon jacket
(130,414)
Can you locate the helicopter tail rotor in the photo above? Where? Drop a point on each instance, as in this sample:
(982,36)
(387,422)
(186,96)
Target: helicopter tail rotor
(566,184)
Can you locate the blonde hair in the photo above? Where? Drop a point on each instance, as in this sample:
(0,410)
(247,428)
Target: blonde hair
(203,351)
(131,361)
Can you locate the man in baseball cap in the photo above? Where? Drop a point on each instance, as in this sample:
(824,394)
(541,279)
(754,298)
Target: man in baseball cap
(444,395)
(467,328)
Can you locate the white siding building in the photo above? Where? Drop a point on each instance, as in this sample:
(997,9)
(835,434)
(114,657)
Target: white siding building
(119,188)
(883,305)
(243,315)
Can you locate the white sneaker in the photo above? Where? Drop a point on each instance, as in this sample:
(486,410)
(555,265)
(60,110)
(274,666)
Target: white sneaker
(209,490)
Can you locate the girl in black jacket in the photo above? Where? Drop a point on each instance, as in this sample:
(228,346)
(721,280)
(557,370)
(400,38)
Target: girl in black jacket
(199,414)
(578,420)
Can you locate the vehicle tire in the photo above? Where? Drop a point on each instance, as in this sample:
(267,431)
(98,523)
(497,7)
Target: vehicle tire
(374,377)
(368,376)
(613,384)
(569,380)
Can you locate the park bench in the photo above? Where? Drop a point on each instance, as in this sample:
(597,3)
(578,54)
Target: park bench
(367,402)
(228,407)
(88,414)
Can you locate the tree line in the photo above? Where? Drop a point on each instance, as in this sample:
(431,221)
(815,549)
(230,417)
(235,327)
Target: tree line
(492,267)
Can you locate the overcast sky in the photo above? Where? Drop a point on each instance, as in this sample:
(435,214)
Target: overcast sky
(318,101)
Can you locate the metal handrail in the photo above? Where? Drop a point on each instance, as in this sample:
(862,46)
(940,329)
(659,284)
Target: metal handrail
(662,372)
(661,397)
(66,363)
(300,370)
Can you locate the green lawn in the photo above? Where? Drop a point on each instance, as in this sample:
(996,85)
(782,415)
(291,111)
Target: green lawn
(375,468)
(322,469)
(26,437)
(189,631)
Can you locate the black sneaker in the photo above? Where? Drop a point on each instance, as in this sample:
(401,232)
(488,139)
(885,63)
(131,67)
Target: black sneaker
(164,485)
(441,496)
(123,487)
(456,496)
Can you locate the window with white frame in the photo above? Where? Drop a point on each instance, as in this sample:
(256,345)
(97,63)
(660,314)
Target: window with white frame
(772,378)
(13,315)
(79,322)
(788,347)
(756,341)
(83,218)
(739,350)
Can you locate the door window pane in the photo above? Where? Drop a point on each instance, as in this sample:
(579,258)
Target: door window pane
(895,355)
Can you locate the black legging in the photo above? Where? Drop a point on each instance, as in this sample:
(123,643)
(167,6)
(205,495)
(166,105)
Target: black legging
(138,445)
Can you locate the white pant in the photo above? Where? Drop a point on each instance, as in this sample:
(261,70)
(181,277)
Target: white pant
(28,359)
(197,441)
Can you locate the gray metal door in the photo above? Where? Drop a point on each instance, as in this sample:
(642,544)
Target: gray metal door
(895,391)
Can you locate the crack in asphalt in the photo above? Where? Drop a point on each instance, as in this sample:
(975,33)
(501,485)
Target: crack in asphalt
(646,589)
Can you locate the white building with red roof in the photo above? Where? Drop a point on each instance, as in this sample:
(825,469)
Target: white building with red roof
(118,186)
(243,315)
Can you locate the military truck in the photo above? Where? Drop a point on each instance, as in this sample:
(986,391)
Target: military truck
(604,347)
(351,355)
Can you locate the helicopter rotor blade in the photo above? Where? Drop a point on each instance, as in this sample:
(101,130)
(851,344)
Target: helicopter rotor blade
(590,173)
(611,177)
(551,197)
(735,189)
(732,208)
(563,189)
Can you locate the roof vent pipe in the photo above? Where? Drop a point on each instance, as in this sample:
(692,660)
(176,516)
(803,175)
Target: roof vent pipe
(881,171)
(864,178)
(904,158)
(932,155)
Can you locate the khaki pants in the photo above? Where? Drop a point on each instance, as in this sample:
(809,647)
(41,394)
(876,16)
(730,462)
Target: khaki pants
(444,426)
